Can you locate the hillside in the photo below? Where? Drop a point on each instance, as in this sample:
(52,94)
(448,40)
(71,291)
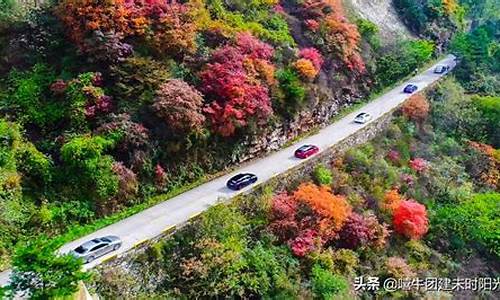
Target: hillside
(108,107)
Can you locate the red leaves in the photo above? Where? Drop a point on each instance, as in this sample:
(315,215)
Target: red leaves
(310,217)
(236,79)
(342,38)
(410,219)
(313,55)
(167,25)
(419,165)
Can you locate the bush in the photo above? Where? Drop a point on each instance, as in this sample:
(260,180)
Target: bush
(89,168)
(293,92)
(29,97)
(474,220)
(180,106)
(237,80)
(410,219)
(416,108)
(323,175)
(326,285)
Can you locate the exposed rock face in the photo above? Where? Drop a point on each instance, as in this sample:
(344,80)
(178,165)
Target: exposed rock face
(384,15)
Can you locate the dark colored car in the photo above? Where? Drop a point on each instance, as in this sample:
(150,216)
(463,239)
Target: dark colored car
(241,180)
(306,151)
(411,88)
(98,247)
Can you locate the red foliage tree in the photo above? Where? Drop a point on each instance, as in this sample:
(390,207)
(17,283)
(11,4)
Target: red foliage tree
(363,230)
(419,164)
(237,79)
(180,106)
(416,108)
(168,25)
(410,219)
(342,38)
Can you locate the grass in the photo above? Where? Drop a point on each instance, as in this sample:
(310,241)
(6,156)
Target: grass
(77,231)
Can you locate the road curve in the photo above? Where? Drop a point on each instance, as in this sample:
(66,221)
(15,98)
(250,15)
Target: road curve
(153,221)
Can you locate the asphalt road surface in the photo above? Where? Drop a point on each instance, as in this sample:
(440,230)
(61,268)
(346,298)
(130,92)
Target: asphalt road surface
(153,221)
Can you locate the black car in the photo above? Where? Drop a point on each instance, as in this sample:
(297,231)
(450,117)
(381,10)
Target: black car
(241,180)
(411,88)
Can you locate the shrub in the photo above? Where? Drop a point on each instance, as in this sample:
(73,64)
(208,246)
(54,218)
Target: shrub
(419,165)
(293,91)
(89,168)
(306,69)
(474,220)
(398,268)
(416,108)
(323,175)
(138,78)
(313,55)
(28,97)
(180,106)
(304,243)
(355,232)
(238,92)
(410,219)
(392,200)
(333,208)
(326,285)
(168,27)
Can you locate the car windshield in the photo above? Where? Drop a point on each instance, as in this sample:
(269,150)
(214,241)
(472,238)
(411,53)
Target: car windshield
(81,249)
(106,240)
(361,115)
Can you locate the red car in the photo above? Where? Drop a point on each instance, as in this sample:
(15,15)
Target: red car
(306,151)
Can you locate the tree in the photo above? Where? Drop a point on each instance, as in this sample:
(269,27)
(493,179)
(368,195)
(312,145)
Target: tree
(333,209)
(416,108)
(238,89)
(39,273)
(180,106)
(410,219)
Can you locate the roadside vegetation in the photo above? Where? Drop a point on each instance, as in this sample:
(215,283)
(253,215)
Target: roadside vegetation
(420,200)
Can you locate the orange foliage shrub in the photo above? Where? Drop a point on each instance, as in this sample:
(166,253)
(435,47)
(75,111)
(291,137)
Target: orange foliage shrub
(306,69)
(335,209)
(392,200)
(489,168)
(450,6)
(416,108)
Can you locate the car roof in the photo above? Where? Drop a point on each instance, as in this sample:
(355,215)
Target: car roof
(362,114)
(241,176)
(305,147)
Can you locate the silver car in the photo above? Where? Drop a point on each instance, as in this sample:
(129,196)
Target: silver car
(362,118)
(98,247)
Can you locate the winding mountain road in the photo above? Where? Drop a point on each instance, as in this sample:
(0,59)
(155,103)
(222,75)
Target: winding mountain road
(155,220)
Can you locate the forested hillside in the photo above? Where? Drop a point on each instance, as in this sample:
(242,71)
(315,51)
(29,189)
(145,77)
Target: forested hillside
(108,107)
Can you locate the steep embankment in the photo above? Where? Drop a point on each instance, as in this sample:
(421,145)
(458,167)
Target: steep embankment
(384,15)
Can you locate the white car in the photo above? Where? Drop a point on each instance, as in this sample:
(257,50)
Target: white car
(363,118)
(441,69)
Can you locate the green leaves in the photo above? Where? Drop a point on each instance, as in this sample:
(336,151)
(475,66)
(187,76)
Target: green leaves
(39,273)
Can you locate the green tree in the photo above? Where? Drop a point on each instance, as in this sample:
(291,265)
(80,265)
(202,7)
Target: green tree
(326,285)
(88,167)
(323,175)
(39,273)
